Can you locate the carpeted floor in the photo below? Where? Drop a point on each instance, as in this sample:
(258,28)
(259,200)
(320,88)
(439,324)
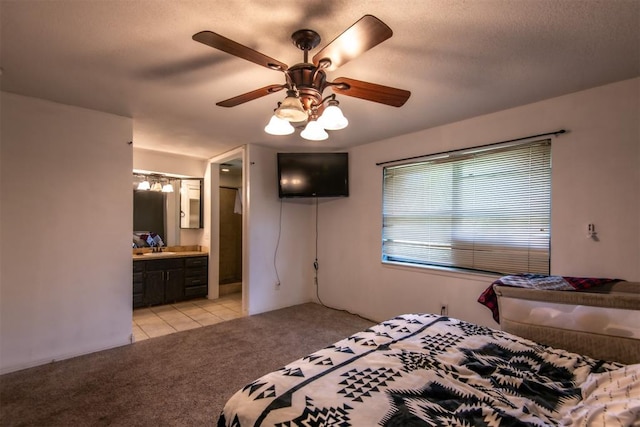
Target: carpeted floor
(181,379)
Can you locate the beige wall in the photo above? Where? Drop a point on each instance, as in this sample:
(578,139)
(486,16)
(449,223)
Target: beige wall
(156,161)
(596,179)
(267,225)
(66,221)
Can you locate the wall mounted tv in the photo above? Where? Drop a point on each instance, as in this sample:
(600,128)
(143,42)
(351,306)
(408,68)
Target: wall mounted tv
(313,175)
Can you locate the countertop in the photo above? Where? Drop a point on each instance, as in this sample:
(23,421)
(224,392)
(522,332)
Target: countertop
(168,254)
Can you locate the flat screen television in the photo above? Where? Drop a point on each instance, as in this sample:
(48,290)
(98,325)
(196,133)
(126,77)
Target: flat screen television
(313,175)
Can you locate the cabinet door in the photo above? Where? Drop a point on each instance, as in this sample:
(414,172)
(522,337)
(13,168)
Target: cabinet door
(138,289)
(154,288)
(174,285)
(195,287)
(196,262)
(138,284)
(195,280)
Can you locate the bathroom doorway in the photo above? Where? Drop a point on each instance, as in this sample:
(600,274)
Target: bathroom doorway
(230,219)
(228,213)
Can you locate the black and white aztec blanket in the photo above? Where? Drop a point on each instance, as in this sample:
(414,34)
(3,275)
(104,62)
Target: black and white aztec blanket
(418,370)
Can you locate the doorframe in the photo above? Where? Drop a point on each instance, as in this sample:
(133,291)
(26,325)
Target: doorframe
(214,224)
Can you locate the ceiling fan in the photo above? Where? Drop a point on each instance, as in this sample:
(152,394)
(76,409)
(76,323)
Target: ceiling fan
(307,81)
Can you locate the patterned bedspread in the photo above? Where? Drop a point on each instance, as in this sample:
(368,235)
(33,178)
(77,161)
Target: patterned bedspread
(418,370)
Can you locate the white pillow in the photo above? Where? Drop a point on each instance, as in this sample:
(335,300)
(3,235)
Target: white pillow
(608,399)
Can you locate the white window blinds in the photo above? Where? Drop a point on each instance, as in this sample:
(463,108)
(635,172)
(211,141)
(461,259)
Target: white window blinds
(483,209)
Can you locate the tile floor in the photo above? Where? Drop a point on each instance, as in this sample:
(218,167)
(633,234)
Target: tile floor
(161,320)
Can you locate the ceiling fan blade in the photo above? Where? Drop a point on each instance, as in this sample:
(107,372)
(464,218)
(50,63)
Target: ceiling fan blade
(366,33)
(370,91)
(234,48)
(250,96)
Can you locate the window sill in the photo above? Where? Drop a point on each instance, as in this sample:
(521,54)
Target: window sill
(442,271)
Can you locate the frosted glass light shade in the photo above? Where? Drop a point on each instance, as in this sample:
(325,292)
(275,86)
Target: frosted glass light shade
(167,188)
(314,132)
(333,119)
(278,126)
(144,185)
(156,187)
(291,110)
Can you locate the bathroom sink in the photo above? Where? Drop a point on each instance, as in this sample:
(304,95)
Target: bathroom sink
(158,253)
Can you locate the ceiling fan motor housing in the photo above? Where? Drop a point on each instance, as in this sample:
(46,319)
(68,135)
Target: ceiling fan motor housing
(310,82)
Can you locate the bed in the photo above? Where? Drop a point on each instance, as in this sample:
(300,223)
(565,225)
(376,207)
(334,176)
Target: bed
(430,370)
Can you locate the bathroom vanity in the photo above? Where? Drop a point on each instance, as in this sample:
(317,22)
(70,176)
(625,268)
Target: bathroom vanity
(169,277)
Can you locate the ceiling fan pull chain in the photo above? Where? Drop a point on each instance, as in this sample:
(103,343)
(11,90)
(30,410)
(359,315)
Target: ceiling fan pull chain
(290,84)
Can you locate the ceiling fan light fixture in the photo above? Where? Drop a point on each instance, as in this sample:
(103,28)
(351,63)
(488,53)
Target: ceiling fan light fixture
(278,126)
(332,117)
(291,108)
(314,131)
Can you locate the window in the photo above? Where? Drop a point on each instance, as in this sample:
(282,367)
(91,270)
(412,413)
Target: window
(485,209)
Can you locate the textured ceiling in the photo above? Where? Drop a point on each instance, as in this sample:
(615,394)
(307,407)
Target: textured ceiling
(459,59)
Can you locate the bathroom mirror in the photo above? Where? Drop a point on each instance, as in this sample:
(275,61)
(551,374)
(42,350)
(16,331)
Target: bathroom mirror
(191,203)
(166,213)
(149,213)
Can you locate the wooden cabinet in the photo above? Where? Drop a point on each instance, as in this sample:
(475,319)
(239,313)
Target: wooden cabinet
(169,280)
(196,277)
(138,284)
(164,281)
(153,287)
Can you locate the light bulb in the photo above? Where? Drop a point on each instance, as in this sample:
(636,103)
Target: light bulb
(278,126)
(314,131)
(291,108)
(332,118)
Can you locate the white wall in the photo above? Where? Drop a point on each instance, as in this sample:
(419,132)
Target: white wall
(596,179)
(295,251)
(65,275)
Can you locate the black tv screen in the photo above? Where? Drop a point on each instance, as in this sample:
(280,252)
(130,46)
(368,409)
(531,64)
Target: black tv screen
(313,174)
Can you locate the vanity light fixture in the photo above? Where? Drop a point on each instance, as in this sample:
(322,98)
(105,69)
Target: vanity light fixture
(154,182)
(144,185)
